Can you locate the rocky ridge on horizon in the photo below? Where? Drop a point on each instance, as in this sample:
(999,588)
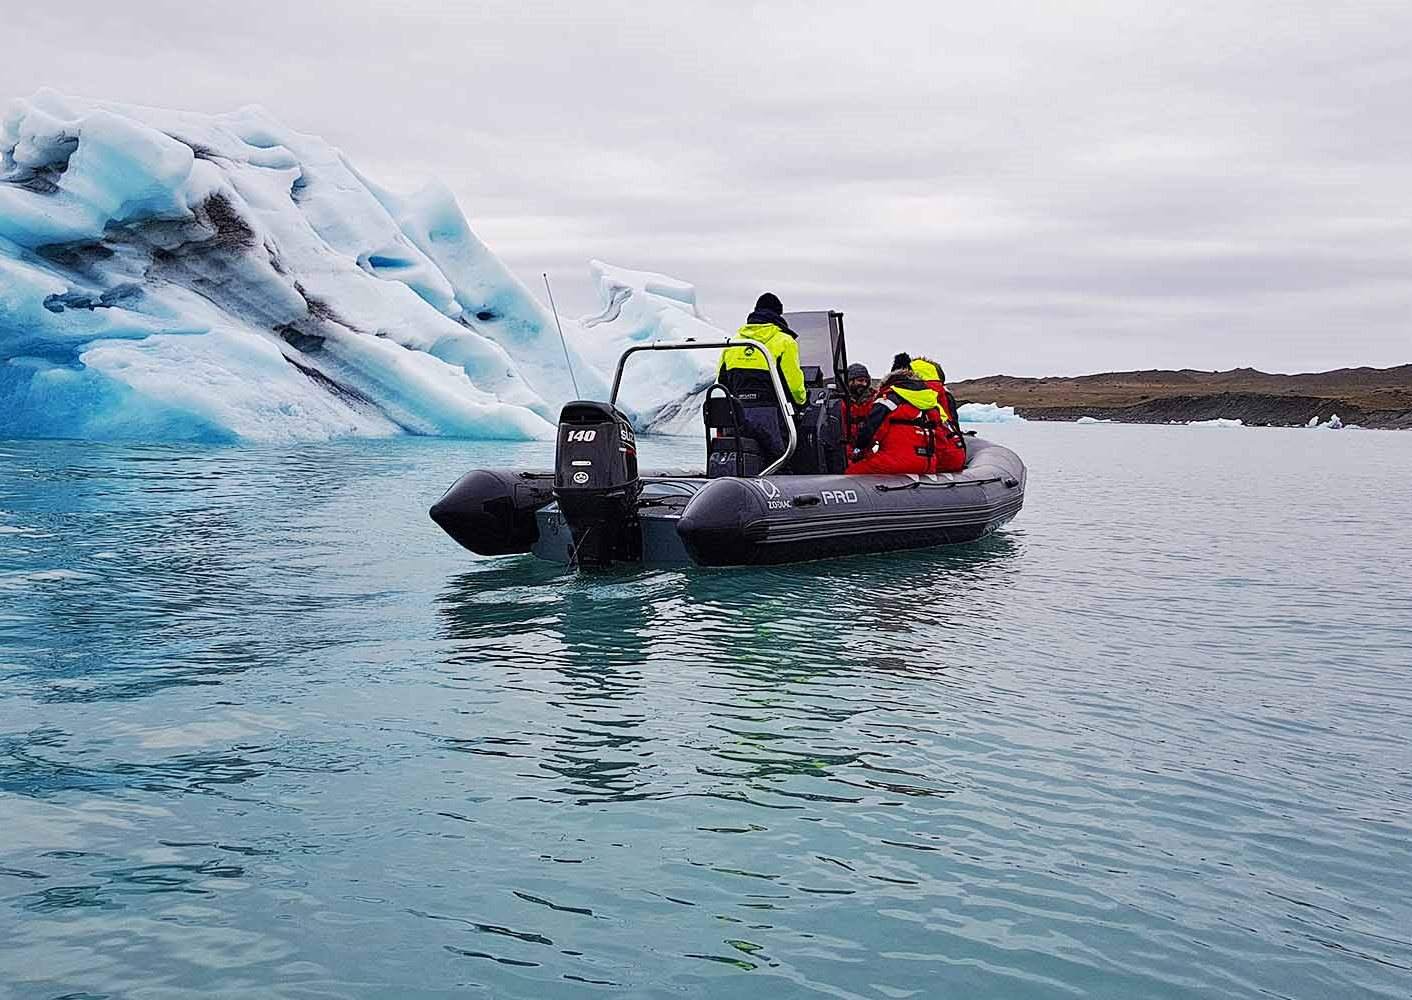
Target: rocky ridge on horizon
(1369,397)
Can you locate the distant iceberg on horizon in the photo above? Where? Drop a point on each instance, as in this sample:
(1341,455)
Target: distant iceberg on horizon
(987,413)
(166,275)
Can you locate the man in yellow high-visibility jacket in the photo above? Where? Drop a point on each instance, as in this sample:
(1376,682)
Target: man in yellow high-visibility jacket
(766,340)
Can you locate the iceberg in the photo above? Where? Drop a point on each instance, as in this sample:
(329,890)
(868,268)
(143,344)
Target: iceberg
(1217,422)
(1093,420)
(666,388)
(988,413)
(167,275)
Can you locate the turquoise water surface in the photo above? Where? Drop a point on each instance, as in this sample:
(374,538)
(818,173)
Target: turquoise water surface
(265,732)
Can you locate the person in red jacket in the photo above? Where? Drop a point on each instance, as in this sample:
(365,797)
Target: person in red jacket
(899,433)
(931,373)
(906,431)
(859,399)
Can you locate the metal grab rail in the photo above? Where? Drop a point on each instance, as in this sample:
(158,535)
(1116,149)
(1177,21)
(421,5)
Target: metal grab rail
(716,345)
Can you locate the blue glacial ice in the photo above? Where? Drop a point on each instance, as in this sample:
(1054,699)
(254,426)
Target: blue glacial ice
(987,413)
(167,275)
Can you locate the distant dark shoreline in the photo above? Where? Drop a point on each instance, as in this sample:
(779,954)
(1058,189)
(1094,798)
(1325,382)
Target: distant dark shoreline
(1369,397)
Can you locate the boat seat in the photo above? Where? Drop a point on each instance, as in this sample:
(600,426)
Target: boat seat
(729,451)
(722,413)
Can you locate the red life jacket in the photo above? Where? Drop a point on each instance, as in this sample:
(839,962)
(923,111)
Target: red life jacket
(911,434)
(931,375)
(855,413)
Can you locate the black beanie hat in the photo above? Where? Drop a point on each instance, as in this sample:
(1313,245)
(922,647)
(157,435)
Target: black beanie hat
(858,371)
(769,302)
(901,361)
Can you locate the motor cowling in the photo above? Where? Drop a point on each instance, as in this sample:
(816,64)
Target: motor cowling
(596,482)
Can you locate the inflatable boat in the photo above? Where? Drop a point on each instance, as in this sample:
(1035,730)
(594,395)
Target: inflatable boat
(595,508)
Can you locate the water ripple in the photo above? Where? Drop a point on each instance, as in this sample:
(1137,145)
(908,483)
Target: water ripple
(263,731)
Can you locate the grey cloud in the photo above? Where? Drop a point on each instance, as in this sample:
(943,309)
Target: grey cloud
(1031,189)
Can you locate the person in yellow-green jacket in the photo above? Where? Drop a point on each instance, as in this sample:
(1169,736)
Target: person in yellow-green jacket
(765,340)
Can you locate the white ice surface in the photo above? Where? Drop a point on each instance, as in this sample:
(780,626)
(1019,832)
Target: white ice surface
(167,275)
(1218,422)
(640,307)
(987,413)
(1093,420)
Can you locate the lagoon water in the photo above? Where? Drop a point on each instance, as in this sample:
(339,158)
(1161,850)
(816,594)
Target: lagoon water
(265,732)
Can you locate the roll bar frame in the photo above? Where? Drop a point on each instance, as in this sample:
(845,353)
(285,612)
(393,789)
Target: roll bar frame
(716,345)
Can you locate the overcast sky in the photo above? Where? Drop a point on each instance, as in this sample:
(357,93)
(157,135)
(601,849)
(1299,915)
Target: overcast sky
(1029,188)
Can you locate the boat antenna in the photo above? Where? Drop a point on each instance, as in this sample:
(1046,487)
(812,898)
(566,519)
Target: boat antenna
(564,343)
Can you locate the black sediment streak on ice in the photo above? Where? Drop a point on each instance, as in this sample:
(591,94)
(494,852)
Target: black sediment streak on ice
(300,340)
(114,296)
(231,231)
(344,392)
(321,310)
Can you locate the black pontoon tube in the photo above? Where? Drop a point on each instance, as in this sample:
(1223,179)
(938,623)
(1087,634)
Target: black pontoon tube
(696,345)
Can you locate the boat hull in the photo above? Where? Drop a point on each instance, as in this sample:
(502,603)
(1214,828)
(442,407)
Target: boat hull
(688,519)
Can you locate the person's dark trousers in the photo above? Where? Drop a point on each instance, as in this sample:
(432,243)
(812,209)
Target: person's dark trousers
(766,425)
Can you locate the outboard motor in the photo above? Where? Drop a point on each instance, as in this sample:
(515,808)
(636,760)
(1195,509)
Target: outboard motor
(596,483)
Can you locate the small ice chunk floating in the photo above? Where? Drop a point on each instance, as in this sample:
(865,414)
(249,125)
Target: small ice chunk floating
(595,508)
